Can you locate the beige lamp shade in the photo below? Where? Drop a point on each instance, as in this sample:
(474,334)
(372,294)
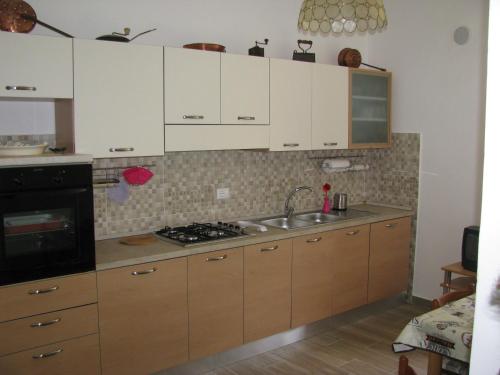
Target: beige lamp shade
(339,16)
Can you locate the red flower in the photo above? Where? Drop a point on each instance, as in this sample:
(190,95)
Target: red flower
(326,188)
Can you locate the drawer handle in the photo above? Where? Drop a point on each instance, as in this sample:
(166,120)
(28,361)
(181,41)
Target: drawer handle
(312,240)
(215,259)
(266,249)
(43,291)
(291,144)
(330,144)
(352,233)
(145,272)
(44,324)
(390,225)
(247,118)
(49,354)
(193,117)
(21,88)
(121,149)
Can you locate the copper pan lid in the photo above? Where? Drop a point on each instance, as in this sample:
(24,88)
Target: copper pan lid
(206,47)
(11,16)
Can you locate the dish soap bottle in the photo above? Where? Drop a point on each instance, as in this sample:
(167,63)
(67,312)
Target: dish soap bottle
(326,200)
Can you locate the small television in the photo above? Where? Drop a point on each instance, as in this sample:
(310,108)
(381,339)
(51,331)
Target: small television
(470,242)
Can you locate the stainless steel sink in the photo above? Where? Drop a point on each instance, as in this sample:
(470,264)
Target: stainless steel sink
(310,219)
(317,217)
(285,223)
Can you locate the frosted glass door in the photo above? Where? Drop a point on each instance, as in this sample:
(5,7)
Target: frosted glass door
(370,109)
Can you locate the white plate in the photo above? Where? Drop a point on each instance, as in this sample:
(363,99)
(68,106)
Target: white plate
(22,150)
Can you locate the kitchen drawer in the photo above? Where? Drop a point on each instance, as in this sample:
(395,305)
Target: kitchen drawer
(22,334)
(47,295)
(75,357)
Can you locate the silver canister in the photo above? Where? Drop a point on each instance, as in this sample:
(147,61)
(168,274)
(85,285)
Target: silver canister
(340,201)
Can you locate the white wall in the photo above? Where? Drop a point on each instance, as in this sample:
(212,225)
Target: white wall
(439,92)
(438,86)
(486,337)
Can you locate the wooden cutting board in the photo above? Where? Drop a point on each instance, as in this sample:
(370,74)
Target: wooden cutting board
(142,240)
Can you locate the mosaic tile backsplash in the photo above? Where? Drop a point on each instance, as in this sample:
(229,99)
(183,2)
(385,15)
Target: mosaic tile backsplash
(183,189)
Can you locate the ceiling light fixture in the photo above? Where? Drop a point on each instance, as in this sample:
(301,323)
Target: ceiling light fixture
(339,16)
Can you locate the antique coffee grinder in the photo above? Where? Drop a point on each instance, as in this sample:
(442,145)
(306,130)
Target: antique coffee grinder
(258,51)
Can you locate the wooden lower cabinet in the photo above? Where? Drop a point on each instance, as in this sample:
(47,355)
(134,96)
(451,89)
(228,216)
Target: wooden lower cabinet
(312,278)
(215,282)
(38,297)
(76,357)
(351,247)
(389,258)
(48,328)
(143,317)
(267,296)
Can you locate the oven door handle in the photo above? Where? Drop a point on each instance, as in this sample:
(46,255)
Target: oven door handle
(57,191)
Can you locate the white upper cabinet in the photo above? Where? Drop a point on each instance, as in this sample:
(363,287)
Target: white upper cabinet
(244,90)
(118,109)
(330,107)
(291,105)
(36,66)
(192,86)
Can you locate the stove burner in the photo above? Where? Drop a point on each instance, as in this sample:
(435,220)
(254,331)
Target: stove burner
(198,233)
(187,238)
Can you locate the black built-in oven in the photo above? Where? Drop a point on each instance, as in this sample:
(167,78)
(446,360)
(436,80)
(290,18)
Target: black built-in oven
(46,222)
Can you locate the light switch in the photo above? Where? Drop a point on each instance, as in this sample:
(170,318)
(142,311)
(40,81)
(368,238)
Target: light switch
(223,193)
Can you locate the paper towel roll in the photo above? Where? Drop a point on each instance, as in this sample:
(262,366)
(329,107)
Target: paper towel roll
(335,165)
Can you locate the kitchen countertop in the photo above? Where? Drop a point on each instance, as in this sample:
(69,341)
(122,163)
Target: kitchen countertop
(112,254)
(44,159)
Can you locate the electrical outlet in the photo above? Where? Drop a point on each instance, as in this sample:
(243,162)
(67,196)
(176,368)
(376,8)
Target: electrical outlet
(223,193)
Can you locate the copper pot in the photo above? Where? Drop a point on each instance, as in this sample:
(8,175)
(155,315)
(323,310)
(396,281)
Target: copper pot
(17,16)
(352,58)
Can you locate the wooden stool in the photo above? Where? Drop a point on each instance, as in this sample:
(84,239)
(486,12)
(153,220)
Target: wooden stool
(465,282)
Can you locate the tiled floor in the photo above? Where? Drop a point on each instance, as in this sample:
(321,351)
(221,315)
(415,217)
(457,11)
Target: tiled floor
(358,346)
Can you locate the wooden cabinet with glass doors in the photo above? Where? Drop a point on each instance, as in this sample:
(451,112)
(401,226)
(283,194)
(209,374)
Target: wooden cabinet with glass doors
(369,109)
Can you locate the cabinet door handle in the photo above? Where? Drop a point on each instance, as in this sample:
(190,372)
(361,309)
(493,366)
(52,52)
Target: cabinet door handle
(352,233)
(266,249)
(330,144)
(121,149)
(291,144)
(21,88)
(215,259)
(317,239)
(44,324)
(145,272)
(390,225)
(247,118)
(43,291)
(193,117)
(45,355)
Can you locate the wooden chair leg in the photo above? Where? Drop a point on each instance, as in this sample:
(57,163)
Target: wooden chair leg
(404,367)
(434,364)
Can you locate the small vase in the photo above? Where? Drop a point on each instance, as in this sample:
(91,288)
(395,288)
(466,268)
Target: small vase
(326,205)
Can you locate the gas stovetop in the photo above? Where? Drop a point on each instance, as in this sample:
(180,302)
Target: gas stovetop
(199,233)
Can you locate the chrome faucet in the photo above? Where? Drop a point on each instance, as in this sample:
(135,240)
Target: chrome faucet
(289,210)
